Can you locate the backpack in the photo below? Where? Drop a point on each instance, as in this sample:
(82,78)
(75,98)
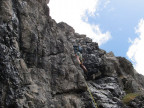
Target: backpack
(80,49)
(77,49)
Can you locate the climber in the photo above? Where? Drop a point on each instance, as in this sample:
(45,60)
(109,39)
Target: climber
(78,53)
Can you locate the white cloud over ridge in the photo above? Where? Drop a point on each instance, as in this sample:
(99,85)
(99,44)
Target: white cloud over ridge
(76,14)
(136,50)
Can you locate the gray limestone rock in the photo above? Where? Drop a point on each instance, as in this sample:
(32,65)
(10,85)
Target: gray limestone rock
(39,69)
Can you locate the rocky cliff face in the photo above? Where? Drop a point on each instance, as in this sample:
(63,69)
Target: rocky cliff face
(38,67)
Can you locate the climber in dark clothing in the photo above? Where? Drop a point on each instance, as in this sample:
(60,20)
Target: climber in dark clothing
(78,51)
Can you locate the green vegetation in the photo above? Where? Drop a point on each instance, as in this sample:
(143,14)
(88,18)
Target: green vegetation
(129,97)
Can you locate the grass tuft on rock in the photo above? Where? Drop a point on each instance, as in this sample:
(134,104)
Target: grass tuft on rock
(129,97)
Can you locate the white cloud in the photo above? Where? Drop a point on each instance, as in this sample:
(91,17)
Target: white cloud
(130,40)
(101,37)
(136,50)
(106,3)
(76,13)
(111,9)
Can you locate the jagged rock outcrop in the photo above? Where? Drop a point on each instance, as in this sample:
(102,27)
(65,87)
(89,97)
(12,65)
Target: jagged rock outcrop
(38,67)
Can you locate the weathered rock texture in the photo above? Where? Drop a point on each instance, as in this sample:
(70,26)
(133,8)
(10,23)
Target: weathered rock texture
(38,67)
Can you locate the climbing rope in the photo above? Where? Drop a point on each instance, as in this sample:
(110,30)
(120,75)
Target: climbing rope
(91,95)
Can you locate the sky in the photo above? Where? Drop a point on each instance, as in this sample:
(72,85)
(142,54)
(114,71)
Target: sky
(116,25)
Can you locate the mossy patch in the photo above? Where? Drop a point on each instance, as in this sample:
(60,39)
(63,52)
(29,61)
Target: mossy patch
(129,97)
